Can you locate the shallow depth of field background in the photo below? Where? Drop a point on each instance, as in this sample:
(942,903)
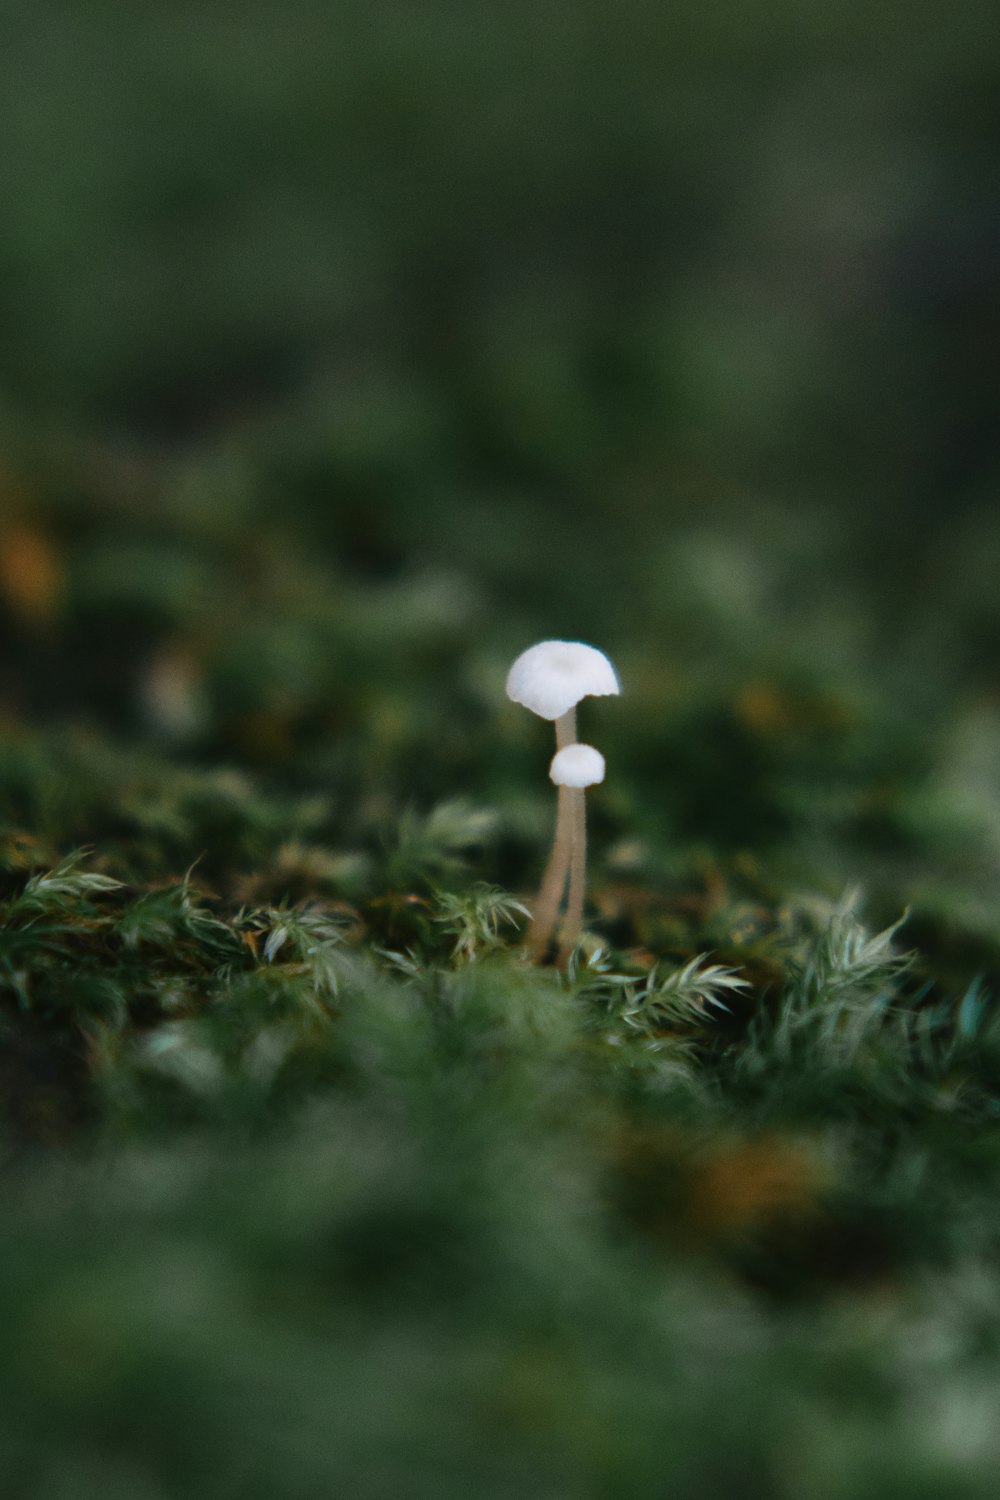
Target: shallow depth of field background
(335,340)
(345,350)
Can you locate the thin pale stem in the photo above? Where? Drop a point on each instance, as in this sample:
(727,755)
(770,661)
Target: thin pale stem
(566,729)
(557,871)
(573,924)
(554,883)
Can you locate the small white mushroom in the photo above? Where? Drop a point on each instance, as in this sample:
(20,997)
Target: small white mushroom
(550,679)
(577,765)
(553,676)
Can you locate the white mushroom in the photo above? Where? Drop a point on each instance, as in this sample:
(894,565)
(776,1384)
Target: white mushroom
(577,765)
(550,679)
(553,676)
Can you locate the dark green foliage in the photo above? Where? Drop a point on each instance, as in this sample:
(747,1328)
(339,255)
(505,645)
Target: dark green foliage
(346,349)
(531,1212)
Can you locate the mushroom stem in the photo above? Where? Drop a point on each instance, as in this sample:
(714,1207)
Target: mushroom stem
(566,728)
(573,924)
(553,883)
(557,870)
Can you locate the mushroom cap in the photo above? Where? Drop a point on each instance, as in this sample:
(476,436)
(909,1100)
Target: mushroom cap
(577,765)
(553,676)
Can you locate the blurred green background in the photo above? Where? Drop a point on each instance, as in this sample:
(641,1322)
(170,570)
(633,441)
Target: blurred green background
(345,350)
(335,334)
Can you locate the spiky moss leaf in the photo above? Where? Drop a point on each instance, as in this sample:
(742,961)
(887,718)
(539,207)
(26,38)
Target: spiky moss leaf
(848,960)
(172,918)
(65,886)
(476,920)
(681,997)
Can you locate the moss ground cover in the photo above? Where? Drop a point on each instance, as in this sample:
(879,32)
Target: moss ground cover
(342,357)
